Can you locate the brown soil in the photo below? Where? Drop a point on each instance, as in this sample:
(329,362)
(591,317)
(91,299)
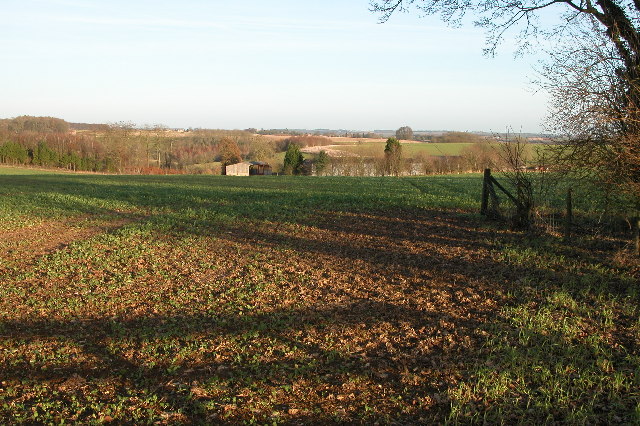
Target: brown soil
(28,243)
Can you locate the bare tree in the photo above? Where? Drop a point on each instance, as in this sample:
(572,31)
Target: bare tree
(616,18)
(592,107)
(404,133)
(593,74)
(514,154)
(229,152)
(480,156)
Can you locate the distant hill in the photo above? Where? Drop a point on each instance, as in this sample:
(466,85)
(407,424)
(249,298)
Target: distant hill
(86,126)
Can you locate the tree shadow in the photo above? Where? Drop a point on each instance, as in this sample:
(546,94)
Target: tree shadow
(402,304)
(327,369)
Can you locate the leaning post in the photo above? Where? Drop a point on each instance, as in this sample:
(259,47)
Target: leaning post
(485,192)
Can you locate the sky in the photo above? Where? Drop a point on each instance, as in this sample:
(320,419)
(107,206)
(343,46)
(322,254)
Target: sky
(255,63)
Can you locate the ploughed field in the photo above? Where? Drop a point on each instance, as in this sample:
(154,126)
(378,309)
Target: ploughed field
(175,299)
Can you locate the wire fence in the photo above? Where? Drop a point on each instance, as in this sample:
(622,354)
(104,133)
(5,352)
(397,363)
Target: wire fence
(562,206)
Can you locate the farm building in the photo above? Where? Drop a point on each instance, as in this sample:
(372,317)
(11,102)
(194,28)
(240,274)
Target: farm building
(248,168)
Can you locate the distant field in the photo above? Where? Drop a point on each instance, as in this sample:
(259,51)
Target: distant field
(415,148)
(409,149)
(8,170)
(375,147)
(303,300)
(367,146)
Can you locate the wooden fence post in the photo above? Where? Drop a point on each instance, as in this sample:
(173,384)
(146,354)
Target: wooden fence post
(568,219)
(485,192)
(494,212)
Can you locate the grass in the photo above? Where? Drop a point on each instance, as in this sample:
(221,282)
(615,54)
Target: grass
(559,341)
(21,171)
(212,299)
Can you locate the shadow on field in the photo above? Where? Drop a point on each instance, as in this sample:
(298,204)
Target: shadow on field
(322,372)
(277,199)
(384,335)
(377,316)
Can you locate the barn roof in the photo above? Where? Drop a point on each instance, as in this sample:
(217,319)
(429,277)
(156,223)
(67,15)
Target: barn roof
(252,163)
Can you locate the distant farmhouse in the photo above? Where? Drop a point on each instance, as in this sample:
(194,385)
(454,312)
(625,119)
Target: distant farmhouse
(248,168)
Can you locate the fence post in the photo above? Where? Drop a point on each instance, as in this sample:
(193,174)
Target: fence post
(494,212)
(485,192)
(568,219)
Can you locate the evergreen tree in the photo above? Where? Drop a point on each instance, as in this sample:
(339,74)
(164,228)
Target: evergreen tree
(13,153)
(321,162)
(393,156)
(44,156)
(293,161)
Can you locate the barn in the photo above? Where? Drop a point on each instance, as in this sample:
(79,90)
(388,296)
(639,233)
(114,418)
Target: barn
(248,168)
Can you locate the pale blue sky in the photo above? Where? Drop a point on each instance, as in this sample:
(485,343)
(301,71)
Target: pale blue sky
(252,63)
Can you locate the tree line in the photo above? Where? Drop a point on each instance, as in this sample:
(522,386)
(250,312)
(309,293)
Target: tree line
(123,147)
